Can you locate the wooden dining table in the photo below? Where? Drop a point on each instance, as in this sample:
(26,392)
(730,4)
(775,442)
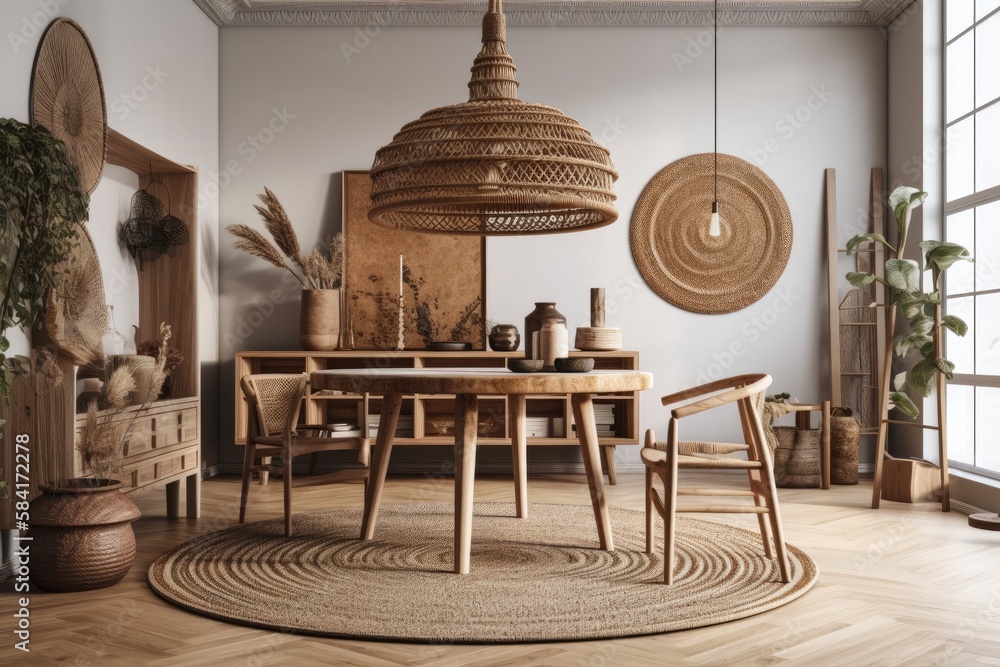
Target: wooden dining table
(467,385)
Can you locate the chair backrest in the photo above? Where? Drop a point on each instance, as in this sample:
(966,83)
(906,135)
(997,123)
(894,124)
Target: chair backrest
(751,411)
(273,402)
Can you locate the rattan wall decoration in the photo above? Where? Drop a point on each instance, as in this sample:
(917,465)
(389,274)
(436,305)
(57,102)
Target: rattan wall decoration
(494,164)
(67,97)
(689,268)
(76,316)
(151,231)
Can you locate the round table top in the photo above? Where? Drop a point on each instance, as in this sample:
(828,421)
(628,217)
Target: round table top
(477,381)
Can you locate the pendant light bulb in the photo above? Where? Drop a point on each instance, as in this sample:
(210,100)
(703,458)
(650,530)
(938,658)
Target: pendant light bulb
(715,226)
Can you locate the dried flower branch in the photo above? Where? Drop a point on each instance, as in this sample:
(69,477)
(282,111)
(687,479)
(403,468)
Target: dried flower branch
(103,438)
(316,271)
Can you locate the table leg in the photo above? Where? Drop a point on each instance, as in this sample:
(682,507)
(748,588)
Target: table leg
(466,424)
(173,499)
(608,452)
(586,427)
(192,486)
(519,453)
(380,462)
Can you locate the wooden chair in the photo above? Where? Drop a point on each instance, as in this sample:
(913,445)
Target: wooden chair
(665,458)
(273,405)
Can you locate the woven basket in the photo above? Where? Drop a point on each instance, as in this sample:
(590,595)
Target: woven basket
(845,439)
(797,458)
(82,536)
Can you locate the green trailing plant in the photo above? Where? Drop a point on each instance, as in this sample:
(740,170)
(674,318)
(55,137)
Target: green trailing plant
(920,308)
(41,204)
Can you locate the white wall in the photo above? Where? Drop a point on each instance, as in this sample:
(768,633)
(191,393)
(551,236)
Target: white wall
(625,85)
(159,64)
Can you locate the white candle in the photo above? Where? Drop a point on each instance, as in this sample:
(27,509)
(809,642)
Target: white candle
(401,276)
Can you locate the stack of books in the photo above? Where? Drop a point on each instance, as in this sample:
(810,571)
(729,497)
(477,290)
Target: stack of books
(404,426)
(536,427)
(604,417)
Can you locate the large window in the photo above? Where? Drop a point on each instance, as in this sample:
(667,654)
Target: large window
(972,218)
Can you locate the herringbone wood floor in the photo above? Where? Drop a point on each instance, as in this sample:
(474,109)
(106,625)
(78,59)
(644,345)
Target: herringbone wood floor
(904,585)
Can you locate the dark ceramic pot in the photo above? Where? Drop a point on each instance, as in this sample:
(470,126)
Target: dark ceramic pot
(504,338)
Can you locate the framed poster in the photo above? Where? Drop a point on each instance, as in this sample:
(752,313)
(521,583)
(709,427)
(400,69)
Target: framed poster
(443,280)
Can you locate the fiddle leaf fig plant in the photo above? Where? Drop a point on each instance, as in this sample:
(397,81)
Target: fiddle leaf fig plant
(920,308)
(41,204)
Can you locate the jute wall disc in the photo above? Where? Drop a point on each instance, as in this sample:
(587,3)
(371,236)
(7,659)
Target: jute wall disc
(695,271)
(67,97)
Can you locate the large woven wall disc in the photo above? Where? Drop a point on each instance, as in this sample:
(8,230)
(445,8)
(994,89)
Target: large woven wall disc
(695,271)
(67,97)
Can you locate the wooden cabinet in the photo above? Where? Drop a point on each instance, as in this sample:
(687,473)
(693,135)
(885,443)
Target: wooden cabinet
(429,420)
(164,443)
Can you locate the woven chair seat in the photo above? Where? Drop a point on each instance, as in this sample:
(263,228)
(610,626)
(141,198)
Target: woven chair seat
(657,458)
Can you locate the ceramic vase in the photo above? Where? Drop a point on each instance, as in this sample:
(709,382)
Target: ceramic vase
(319,319)
(504,338)
(553,343)
(544,312)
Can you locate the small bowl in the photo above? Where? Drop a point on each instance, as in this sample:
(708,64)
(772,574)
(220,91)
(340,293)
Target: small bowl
(574,364)
(525,365)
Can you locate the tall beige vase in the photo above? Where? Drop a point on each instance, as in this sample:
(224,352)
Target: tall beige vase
(319,320)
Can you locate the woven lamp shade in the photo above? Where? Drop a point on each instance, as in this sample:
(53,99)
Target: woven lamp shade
(494,164)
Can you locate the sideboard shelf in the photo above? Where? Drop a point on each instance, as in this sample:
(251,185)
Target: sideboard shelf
(433,415)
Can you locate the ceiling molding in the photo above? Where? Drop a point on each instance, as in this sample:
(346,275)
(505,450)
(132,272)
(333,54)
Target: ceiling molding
(237,13)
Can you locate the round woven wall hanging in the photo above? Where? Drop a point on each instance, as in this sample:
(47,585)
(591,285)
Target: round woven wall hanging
(67,97)
(76,316)
(701,273)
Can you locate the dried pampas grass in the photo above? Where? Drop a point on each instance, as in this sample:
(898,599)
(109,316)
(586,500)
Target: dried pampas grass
(318,270)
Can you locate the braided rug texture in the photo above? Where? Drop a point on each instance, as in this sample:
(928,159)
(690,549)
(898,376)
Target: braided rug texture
(543,578)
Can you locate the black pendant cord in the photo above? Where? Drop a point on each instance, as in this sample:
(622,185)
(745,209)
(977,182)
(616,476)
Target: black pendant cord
(715,96)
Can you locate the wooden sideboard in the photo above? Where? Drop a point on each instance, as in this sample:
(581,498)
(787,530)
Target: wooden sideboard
(433,416)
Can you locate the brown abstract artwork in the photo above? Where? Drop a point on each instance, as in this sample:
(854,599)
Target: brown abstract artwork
(443,280)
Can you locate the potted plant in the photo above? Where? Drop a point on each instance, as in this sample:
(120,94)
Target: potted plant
(41,204)
(922,309)
(81,528)
(320,273)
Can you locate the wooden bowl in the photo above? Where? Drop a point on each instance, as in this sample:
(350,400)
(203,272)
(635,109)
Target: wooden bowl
(525,365)
(574,364)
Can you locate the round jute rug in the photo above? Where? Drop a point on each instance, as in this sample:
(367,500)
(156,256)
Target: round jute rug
(543,578)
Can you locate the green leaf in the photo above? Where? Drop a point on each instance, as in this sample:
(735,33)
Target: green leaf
(921,376)
(859,280)
(912,305)
(899,381)
(945,367)
(906,342)
(922,325)
(928,349)
(861,239)
(903,403)
(956,325)
(902,200)
(902,275)
(943,255)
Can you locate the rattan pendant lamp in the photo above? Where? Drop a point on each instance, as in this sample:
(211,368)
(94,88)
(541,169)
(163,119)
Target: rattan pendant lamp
(493,165)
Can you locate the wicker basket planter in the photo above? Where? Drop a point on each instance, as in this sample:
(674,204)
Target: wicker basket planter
(845,440)
(82,536)
(319,319)
(797,458)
